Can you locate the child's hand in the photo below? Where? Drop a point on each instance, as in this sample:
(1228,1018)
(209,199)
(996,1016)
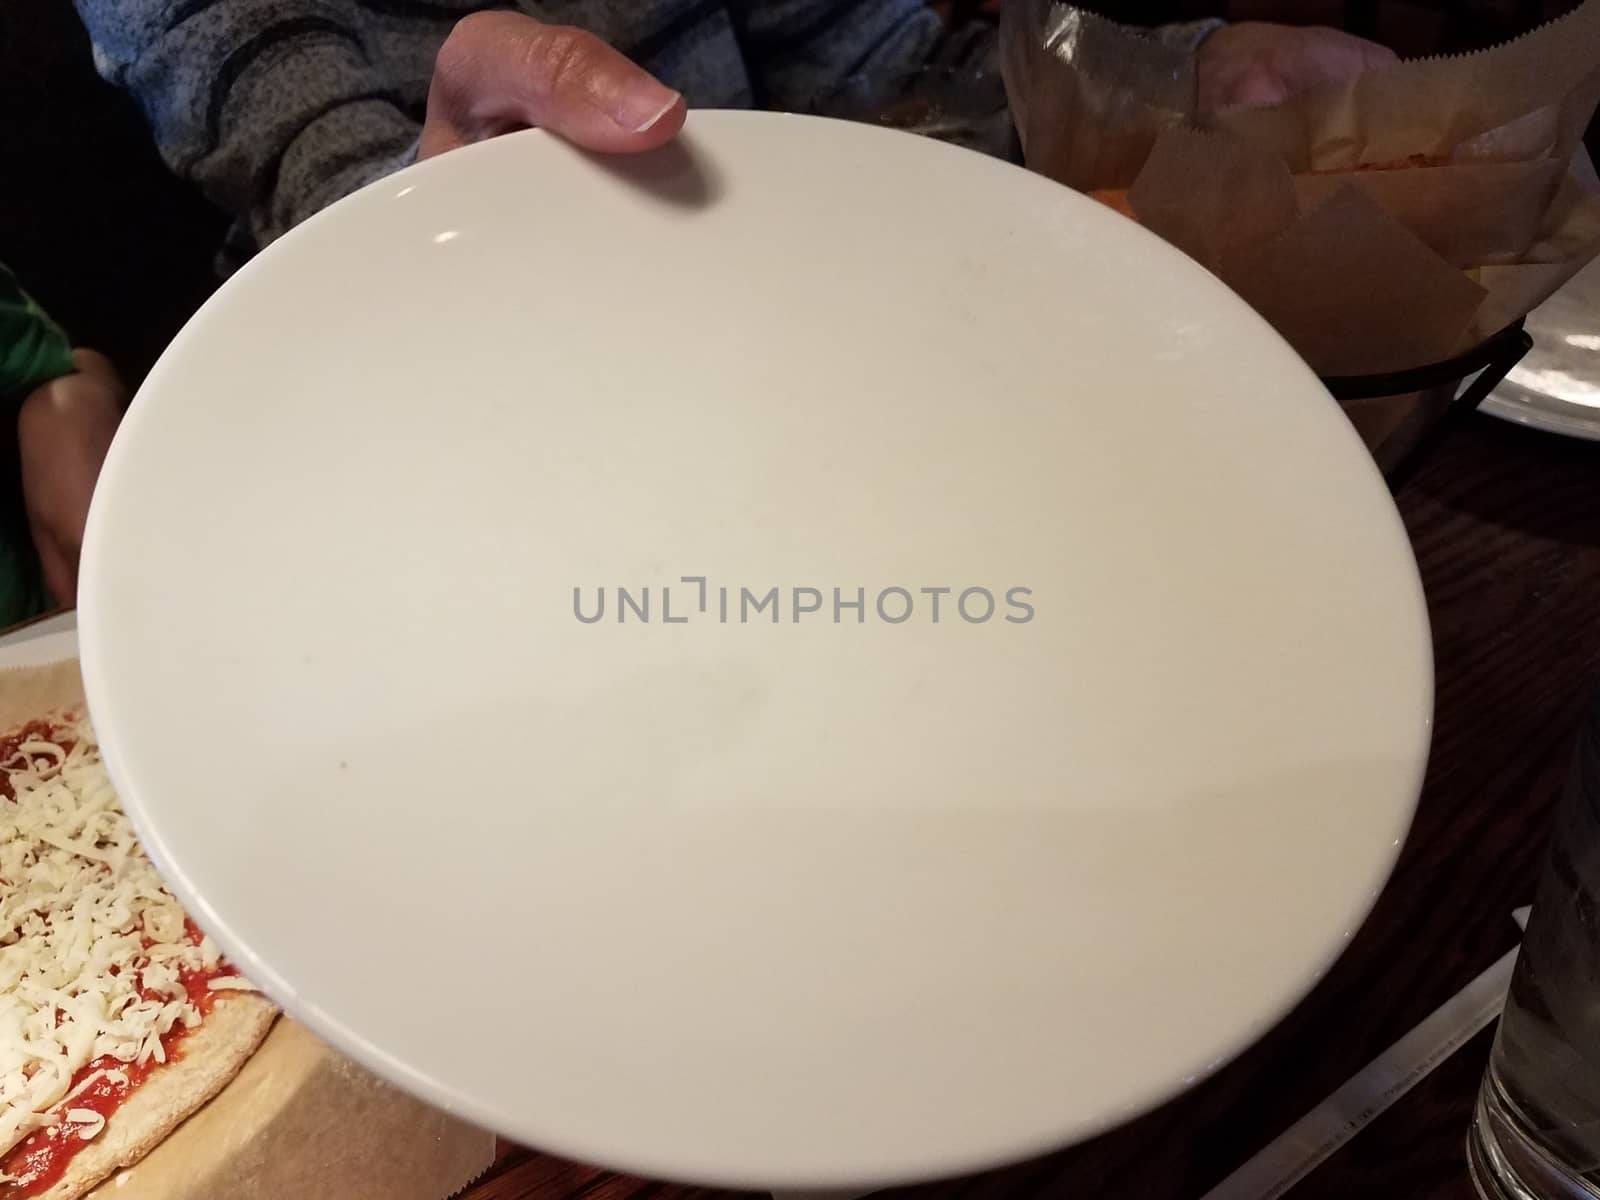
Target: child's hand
(63,432)
(1254,63)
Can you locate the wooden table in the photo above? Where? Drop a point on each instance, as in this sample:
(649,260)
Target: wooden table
(1506,526)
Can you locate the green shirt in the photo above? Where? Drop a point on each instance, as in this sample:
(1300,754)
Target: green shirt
(33,351)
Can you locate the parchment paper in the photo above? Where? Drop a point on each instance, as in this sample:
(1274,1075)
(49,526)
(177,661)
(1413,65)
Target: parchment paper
(302,1121)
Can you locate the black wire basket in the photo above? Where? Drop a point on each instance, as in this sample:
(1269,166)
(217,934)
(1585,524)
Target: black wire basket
(1441,396)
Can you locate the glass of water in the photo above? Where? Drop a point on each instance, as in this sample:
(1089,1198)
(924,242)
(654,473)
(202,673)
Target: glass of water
(1536,1132)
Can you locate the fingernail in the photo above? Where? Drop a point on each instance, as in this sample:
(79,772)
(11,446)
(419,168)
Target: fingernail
(641,110)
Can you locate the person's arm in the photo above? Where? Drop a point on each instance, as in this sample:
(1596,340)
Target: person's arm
(273,109)
(276,108)
(64,429)
(66,405)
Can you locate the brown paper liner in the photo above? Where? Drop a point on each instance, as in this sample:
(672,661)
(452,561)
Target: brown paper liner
(1215,198)
(1095,124)
(1429,204)
(1468,215)
(1570,240)
(299,1120)
(1393,297)
(30,692)
(1516,291)
(302,1121)
(1526,99)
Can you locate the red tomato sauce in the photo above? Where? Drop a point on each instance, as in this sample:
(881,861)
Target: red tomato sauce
(33,731)
(41,1158)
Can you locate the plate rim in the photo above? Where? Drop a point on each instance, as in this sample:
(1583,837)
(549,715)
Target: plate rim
(937,1164)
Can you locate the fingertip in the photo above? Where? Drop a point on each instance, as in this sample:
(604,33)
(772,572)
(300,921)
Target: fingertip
(664,126)
(673,106)
(612,137)
(602,134)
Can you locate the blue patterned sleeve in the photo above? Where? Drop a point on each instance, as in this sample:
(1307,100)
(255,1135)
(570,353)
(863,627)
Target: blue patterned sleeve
(273,109)
(801,51)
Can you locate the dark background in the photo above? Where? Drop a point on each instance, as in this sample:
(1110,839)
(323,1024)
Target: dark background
(114,247)
(121,253)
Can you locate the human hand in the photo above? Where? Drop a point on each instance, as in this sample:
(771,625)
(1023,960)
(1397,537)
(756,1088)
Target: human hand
(64,429)
(1253,64)
(500,71)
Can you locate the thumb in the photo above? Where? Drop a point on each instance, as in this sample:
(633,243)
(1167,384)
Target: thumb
(499,71)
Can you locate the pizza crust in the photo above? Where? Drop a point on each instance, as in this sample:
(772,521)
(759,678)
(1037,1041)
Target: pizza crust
(210,1057)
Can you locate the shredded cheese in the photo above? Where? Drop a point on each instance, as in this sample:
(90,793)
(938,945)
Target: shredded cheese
(88,1122)
(92,945)
(231,983)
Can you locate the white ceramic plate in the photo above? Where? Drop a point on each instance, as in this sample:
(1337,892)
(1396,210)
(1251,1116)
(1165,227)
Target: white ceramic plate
(806,903)
(1557,386)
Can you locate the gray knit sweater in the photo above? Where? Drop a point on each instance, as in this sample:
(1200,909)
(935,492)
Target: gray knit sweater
(276,108)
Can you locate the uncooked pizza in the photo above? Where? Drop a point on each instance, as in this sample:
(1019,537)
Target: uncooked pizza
(118,1018)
